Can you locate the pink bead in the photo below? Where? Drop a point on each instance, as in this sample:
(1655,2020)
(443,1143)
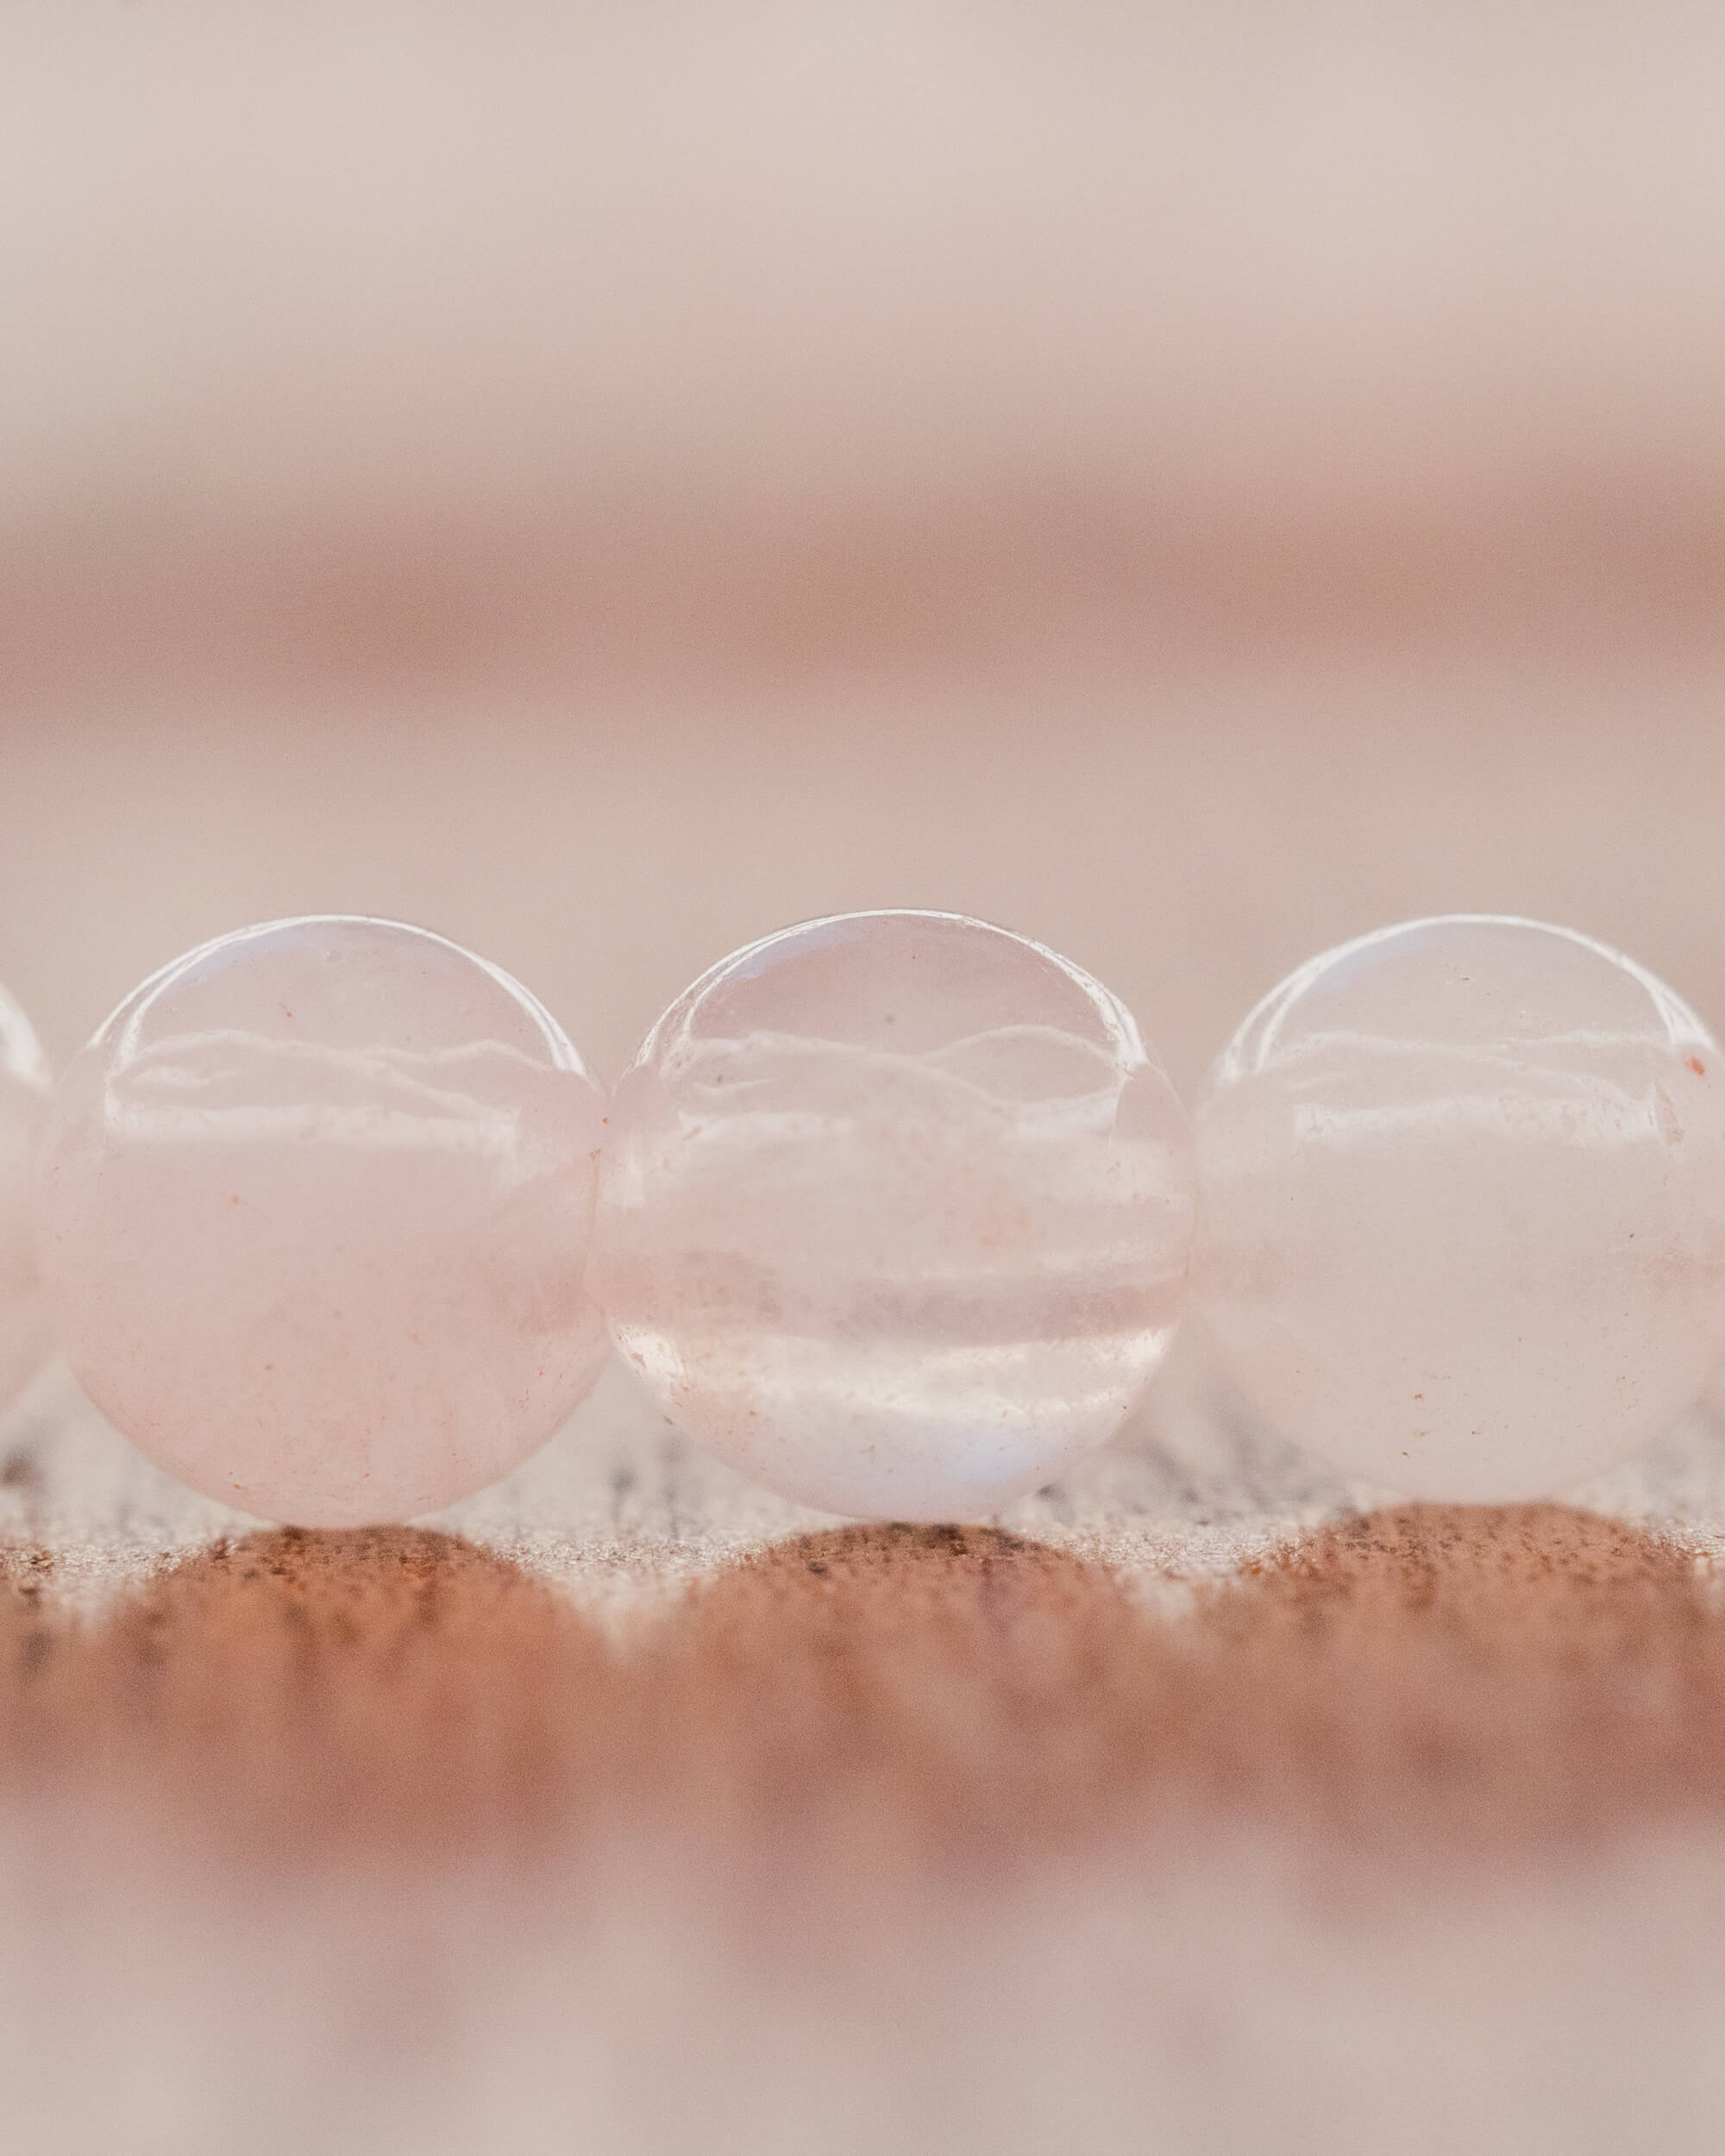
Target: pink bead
(1463,1208)
(894,1215)
(315,1205)
(23,1102)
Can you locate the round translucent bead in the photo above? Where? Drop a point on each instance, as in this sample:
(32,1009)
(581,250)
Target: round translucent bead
(23,1102)
(895,1214)
(1463,1208)
(315,1205)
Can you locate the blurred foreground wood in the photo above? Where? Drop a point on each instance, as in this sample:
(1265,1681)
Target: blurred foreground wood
(1199,1802)
(1458,1678)
(1427,1680)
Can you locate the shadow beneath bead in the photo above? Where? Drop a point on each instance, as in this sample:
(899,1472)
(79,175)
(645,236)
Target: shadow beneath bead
(1426,1677)
(1472,1675)
(885,1692)
(393,1688)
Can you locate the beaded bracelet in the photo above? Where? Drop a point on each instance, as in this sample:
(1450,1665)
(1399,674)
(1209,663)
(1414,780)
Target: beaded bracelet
(896,1212)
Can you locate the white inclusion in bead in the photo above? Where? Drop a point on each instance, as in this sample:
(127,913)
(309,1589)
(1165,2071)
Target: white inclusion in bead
(24,1091)
(1463,1208)
(895,1214)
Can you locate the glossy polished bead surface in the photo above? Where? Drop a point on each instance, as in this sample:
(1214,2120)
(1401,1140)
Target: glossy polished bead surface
(23,1102)
(1462,1193)
(895,1214)
(315,1206)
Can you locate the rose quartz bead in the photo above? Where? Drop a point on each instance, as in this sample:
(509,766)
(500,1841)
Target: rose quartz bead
(23,1102)
(315,1205)
(895,1214)
(1462,1189)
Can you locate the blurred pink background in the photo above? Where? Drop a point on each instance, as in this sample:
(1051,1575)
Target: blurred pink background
(1188,483)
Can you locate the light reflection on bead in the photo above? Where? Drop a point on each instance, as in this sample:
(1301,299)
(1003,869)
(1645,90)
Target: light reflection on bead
(315,1205)
(895,1213)
(23,1103)
(1462,1198)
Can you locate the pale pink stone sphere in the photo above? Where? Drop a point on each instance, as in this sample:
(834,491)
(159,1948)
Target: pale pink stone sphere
(23,1104)
(1462,1208)
(895,1213)
(314,1210)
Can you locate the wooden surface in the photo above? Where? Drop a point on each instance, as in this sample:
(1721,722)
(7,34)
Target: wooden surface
(625,1807)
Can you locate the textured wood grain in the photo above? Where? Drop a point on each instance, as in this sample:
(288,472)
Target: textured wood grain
(629,1804)
(1455,1677)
